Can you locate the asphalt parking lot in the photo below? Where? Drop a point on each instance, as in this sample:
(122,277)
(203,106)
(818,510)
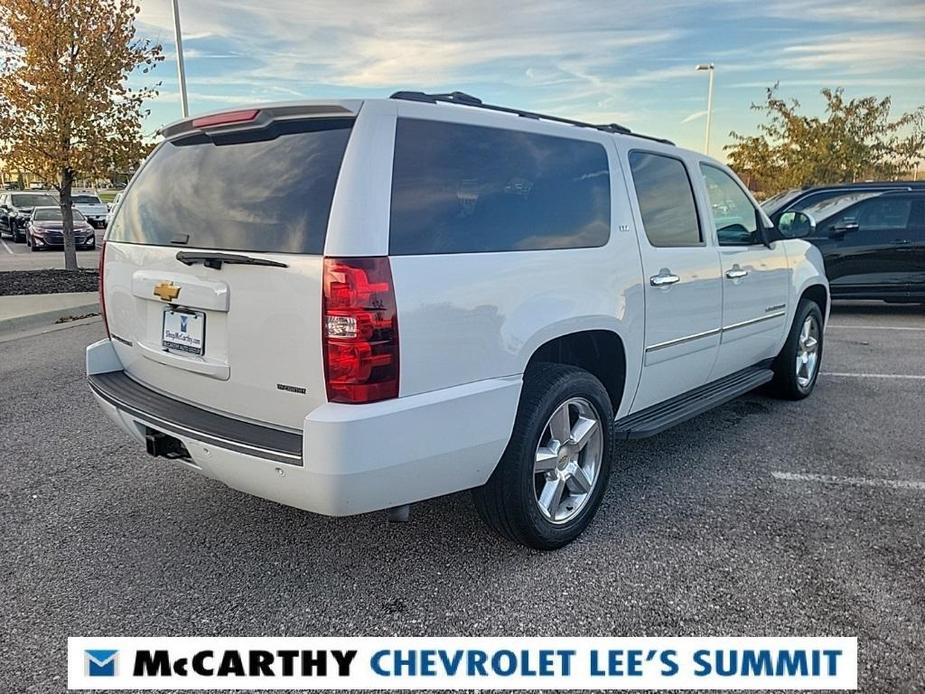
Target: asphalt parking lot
(18,256)
(761,518)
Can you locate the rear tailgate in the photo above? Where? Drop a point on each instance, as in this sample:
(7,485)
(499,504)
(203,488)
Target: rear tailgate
(213,265)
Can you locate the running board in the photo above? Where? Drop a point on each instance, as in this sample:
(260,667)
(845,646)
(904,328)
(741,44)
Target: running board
(655,419)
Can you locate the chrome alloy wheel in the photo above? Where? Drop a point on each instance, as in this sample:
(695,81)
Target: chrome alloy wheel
(807,352)
(568,460)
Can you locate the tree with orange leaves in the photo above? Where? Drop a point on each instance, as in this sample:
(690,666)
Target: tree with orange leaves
(66,110)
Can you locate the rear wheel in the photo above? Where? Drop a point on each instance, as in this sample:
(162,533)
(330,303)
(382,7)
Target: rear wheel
(553,474)
(797,366)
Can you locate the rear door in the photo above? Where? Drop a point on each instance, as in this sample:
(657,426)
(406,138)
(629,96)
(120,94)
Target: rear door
(756,279)
(683,289)
(213,264)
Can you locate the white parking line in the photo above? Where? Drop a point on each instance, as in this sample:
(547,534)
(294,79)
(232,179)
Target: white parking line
(8,249)
(874,327)
(849,481)
(838,374)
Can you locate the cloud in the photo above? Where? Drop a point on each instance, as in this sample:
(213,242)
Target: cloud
(696,115)
(597,60)
(856,54)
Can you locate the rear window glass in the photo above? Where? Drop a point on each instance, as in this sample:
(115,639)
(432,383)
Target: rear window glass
(53,214)
(468,189)
(85,200)
(33,200)
(266,190)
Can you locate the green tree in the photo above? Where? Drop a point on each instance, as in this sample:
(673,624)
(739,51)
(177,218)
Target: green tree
(855,140)
(66,111)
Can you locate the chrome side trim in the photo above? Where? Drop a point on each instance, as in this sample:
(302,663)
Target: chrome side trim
(716,331)
(752,321)
(682,340)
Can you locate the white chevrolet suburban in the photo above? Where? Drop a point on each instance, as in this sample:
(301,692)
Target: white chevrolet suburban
(351,305)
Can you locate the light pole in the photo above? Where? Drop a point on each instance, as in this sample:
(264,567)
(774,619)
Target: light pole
(181,71)
(708,67)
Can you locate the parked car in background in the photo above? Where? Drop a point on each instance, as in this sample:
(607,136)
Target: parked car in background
(800,198)
(112,208)
(94,209)
(45,230)
(37,185)
(16,209)
(872,242)
(559,285)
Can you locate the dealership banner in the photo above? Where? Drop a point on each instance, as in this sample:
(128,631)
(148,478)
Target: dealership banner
(462,663)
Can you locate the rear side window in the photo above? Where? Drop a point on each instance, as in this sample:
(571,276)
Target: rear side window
(266,190)
(666,200)
(469,189)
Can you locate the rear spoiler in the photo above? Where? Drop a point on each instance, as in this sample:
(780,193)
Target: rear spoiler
(258,117)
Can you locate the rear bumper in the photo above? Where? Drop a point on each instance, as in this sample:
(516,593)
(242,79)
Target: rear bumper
(348,458)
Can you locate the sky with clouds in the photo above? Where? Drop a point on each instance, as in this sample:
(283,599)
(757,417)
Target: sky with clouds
(629,61)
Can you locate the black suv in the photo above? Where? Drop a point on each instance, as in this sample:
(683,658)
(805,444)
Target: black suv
(16,209)
(873,241)
(801,198)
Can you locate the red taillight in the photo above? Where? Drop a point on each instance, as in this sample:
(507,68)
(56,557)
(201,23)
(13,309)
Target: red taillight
(102,287)
(227,118)
(359,327)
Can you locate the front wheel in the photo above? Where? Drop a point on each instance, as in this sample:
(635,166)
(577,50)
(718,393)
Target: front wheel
(553,474)
(797,366)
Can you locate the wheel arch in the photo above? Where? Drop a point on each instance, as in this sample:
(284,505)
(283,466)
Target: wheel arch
(600,351)
(818,294)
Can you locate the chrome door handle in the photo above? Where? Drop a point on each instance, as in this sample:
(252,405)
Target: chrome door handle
(736,273)
(663,279)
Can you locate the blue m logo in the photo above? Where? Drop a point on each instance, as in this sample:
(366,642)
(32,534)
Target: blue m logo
(184,323)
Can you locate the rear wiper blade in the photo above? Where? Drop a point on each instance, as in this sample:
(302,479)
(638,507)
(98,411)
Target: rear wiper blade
(214,259)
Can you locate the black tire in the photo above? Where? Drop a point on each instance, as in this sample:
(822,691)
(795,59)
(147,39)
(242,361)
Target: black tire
(787,384)
(508,501)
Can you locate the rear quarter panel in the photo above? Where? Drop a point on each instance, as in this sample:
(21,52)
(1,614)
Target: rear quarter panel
(474,316)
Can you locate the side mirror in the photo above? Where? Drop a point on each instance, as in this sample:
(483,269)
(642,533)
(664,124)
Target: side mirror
(796,225)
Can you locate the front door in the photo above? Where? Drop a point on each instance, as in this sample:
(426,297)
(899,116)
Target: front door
(756,279)
(683,288)
(873,247)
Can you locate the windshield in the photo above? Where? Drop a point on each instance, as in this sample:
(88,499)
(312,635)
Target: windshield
(53,214)
(266,190)
(775,203)
(85,200)
(33,200)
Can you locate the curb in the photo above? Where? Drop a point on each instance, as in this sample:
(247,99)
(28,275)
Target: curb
(45,318)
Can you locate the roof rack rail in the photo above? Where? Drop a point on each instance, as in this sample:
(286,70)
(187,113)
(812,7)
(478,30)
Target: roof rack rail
(464,99)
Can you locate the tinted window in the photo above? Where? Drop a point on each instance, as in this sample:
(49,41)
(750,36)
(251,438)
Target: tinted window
(464,188)
(53,214)
(885,214)
(33,200)
(733,213)
(85,200)
(666,200)
(827,204)
(262,190)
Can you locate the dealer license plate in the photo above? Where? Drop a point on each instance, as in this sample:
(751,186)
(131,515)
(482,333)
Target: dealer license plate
(184,331)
